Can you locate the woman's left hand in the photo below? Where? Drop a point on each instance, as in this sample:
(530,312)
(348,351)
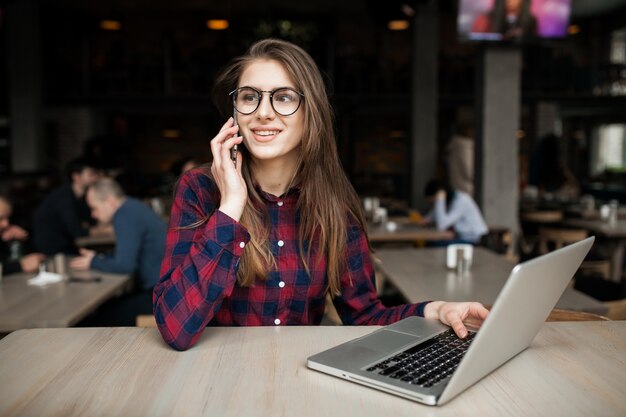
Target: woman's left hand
(456,315)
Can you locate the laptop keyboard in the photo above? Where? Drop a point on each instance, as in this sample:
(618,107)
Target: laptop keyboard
(427,363)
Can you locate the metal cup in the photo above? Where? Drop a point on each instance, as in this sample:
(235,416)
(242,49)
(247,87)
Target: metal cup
(60,264)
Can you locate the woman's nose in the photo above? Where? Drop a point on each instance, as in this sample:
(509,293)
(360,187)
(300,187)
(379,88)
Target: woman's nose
(265,110)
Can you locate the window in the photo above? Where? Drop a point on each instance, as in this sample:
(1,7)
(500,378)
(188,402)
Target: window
(609,147)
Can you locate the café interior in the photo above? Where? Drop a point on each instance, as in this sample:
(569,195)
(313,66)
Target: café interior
(531,129)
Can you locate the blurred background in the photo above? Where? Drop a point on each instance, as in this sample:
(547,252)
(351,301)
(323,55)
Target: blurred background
(128,83)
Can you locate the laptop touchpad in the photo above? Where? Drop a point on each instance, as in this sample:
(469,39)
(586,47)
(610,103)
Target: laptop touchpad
(387,341)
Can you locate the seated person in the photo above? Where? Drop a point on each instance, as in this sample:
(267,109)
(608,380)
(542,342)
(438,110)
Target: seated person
(11,262)
(549,171)
(63,215)
(454,209)
(140,244)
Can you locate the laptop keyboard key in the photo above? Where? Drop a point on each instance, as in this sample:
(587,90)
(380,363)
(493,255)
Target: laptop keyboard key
(428,363)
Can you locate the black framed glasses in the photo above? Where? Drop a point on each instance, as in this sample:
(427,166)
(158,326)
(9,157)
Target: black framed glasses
(285,101)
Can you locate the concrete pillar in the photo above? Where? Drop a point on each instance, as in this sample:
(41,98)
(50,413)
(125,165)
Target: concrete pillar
(498,117)
(424,100)
(24,53)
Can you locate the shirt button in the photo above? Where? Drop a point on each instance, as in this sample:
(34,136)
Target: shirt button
(281,243)
(242,244)
(280,204)
(281,284)
(277,322)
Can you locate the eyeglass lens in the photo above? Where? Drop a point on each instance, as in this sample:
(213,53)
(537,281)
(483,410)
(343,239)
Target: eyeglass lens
(285,101)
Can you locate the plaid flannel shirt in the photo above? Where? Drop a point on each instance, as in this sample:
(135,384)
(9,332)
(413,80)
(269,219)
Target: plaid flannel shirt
(198,284)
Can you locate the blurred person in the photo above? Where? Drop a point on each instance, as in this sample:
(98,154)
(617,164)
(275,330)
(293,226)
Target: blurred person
(140,243)
(10,234)
(549,171)
(456,210)
(460,159)
(64,215)
(511,18)
(190,163)
(183,165)
(264,234)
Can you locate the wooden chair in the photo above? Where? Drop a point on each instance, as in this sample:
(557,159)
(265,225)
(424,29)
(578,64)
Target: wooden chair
(561,237)
(145,320)
(617,309)
(531,221)
(543,216)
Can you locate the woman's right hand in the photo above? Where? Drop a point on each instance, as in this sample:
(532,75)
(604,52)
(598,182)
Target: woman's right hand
(226,174)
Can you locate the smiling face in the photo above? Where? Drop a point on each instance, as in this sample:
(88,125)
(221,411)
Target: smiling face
(268,136)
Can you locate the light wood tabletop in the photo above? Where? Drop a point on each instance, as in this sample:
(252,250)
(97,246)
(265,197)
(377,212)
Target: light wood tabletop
(407,232)
(60,304)
(571,369)
(421,274)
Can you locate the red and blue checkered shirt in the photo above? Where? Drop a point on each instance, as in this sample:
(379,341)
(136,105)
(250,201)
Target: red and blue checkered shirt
(198,284)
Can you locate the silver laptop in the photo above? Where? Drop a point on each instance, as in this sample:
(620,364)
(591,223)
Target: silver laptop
(424,361)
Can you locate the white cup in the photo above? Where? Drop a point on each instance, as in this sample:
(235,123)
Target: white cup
(452,255)
(605,212)
(380,216)
(370,205)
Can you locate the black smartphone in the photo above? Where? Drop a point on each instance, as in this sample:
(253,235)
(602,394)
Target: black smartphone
(233,150)
(85,279)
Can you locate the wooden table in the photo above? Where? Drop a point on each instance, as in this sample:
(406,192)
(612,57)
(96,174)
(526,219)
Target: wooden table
(421,274)
(571,369)
(615,233)
(407,232)
(107,239)
(54,305)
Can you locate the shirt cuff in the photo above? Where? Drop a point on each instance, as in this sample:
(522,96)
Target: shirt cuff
(421,307)
(227,232)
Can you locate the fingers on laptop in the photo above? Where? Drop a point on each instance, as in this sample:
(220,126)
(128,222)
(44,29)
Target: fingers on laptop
(454,320)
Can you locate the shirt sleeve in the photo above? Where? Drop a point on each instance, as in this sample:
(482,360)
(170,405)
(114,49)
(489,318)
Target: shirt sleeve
(125,258)
(444,220)
(358,303)
(200,264)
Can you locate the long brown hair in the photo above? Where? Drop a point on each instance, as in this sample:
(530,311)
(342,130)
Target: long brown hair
(327,201)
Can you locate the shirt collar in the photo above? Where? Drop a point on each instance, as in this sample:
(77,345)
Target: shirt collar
(290,195)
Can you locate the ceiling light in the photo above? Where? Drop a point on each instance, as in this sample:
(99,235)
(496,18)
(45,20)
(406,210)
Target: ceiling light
(217,24)
(573,29)
(171,133)
(110,24)
(398,24)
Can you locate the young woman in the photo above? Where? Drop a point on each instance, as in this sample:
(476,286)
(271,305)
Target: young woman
(262,239)
(454,209)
